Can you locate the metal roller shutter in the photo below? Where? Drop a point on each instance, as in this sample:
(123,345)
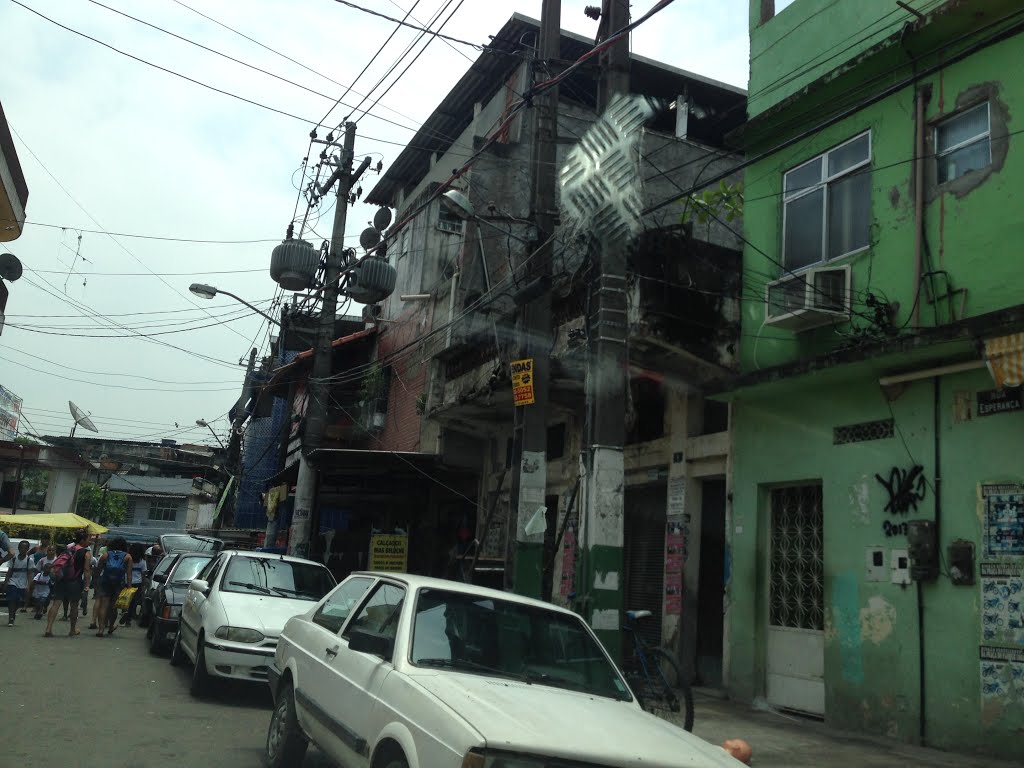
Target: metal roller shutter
(645,557)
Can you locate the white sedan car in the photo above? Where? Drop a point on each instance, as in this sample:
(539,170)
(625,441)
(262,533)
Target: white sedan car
(398,671)
(236,608)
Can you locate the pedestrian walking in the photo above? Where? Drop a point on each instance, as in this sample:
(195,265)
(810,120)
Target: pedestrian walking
(41,547)
(41,587)
(47,559)
(115,568)
(70,576)
(7,549)
(17,580)
(137,554)
(84,604)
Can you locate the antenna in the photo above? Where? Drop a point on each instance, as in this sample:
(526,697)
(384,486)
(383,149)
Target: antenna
(10,267)
(80,417)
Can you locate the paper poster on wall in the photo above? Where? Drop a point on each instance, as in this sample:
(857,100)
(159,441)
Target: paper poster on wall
(568,580)
(1002,598)
(1002,674)
(675,556)
(1004,520)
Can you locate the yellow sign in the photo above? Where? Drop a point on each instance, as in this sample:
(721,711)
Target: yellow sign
(389,552)
(522,381)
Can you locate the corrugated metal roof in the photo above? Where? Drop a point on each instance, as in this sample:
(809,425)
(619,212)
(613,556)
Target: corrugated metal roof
(142,485)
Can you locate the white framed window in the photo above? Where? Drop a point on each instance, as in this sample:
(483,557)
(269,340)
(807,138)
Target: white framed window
(963,143)
(163,509)
(448,221)
(826,205)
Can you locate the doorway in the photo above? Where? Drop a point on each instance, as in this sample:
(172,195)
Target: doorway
(645,556)
(795,633)
(711,585)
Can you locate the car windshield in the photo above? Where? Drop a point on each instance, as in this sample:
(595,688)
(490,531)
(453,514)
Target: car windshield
(188,568)
(481,635)
(184,543)
(277,578)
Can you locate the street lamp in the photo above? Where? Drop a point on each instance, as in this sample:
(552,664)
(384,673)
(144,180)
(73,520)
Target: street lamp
(205,423)
(204,291)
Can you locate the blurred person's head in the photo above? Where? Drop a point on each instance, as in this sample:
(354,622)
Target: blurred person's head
(81,537)
(23,548)
(739,749)
(51,552)
(119,544)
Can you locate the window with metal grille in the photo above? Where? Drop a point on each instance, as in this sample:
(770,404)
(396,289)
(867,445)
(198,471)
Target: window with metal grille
(826,205)
(163,509)
(796,562)
(863,432)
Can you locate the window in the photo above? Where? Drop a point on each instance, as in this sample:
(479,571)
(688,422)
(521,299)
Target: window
(963,143)
(210,572)
(379,614)
(448,221)
(163,509)
(827,205)
(274,577)
(332,614)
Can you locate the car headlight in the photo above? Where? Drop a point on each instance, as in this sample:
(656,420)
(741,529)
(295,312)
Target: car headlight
(238,634)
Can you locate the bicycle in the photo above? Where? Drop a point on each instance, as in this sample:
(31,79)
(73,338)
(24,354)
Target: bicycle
(653,674)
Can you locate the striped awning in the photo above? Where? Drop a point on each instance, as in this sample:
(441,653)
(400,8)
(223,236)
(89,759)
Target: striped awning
(1005,358)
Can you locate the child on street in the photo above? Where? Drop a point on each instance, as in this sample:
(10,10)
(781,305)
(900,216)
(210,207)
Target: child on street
(18,576)
(41,587)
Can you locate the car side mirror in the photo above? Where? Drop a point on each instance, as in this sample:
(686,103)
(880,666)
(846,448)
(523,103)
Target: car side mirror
(160,578)
(200,585)
(367,642)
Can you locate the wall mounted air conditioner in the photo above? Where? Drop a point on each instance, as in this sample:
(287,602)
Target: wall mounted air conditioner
(809,299)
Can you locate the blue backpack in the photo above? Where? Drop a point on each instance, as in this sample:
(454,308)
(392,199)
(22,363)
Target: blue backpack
(113,571)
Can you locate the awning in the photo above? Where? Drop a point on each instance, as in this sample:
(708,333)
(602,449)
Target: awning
(61,520)
(1005,358)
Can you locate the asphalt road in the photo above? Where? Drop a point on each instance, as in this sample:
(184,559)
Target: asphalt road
(116,706)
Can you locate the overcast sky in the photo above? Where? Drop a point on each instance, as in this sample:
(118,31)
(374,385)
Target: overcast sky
(145,152)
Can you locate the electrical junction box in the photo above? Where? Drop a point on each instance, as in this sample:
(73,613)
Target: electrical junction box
(961,562)
(924,550)
(874,564)
(900,560)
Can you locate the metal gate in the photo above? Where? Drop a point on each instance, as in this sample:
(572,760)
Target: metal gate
(645,556)
(796,640)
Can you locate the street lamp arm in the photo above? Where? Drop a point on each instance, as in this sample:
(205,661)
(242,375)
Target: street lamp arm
(250,306)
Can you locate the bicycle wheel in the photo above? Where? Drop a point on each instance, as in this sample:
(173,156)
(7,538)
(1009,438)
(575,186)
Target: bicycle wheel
(675,694)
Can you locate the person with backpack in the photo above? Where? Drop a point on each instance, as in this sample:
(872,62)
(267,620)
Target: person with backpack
(6,547)
(114,568)
(71,575)
(19,575)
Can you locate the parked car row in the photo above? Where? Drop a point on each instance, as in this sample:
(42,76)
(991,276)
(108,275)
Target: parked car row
(397,671)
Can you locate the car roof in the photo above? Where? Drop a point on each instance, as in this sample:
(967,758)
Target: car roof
(414,581)
(266,556)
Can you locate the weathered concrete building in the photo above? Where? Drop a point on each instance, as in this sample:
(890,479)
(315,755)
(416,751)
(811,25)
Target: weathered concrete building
(447,335)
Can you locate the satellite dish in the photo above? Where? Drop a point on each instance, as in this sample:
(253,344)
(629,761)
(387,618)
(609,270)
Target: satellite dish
(382,219)
(368,238)
(80,417)
(10,267)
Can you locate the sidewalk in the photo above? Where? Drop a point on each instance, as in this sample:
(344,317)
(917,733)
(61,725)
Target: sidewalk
(780,740)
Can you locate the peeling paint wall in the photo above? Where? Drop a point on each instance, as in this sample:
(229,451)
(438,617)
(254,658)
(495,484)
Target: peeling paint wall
(871,629)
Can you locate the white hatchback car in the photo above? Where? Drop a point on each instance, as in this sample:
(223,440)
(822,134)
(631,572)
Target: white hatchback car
(236,608)
(399,671)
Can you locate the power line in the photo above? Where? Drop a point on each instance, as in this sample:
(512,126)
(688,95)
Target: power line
(137,235)
(93,218)
(424,30)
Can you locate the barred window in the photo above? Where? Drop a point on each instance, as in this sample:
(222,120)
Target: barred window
(163,509)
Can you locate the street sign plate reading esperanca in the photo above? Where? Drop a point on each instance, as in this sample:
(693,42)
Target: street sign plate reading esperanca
(522,382)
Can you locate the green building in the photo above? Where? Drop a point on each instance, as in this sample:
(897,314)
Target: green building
(880,371)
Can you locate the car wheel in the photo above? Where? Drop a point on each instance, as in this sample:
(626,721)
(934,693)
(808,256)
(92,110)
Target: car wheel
(177,655)
(200,674)
(286,745)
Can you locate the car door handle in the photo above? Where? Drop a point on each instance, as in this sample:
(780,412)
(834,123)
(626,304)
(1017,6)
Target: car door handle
(332,652)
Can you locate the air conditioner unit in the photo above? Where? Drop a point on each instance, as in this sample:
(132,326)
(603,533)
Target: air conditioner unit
(812,298)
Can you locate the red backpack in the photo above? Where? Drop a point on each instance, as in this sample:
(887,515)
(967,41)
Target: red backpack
(64,565)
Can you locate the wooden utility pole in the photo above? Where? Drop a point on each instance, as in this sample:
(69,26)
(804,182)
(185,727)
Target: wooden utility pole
(529,464)
(603,581)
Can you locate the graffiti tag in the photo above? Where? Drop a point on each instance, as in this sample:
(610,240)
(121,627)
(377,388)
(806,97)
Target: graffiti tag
(906,488)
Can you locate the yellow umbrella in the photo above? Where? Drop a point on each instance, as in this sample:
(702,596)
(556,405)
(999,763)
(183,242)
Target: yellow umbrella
(68,521)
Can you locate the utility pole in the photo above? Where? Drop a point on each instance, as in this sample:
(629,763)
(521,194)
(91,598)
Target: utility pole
(529,441)
(233,457)
(305,524)
(602,580)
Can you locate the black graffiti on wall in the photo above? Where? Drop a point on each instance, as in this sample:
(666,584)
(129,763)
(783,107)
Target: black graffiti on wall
(906,489)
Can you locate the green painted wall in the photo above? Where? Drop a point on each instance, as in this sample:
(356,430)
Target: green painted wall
(871,652)
(966,235)
(811,38)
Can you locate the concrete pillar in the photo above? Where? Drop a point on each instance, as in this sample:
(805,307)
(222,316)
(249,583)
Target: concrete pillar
(682,535)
